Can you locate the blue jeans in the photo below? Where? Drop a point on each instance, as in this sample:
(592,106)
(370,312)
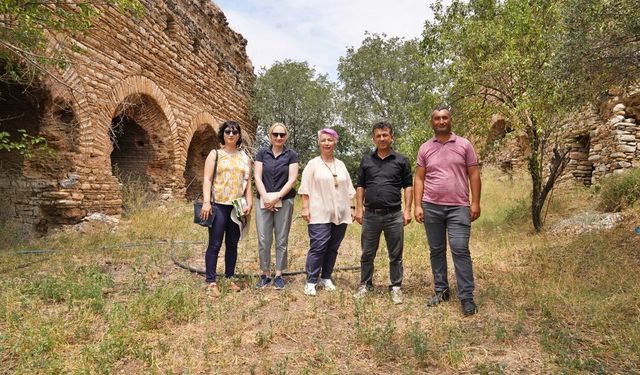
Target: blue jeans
(324,240)
(392,224)
(223,227)
(453,222)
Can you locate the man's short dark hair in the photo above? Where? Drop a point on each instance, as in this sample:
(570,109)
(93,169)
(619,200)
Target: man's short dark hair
(382,125)
(233,125)
(441,107)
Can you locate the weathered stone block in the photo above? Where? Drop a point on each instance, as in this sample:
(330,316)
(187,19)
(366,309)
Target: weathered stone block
(625,148)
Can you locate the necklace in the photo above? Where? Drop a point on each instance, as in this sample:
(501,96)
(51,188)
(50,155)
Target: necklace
(333,172)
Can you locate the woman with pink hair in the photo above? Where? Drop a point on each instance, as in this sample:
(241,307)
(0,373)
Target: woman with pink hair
(327,193)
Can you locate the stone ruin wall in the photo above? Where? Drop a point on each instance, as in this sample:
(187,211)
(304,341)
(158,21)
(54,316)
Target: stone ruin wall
(607,147)
(143,101)
(601,144)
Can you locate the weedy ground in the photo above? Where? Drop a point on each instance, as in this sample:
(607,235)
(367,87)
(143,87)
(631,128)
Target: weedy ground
(114,301)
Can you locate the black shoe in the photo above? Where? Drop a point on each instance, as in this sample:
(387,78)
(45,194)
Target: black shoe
(469,307)
(438,297)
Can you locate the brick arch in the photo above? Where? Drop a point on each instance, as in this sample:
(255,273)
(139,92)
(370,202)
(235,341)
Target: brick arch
(133,85)
(197,121)
(73,91)
(192,155)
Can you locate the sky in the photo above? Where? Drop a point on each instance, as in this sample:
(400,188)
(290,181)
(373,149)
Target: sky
(319,31)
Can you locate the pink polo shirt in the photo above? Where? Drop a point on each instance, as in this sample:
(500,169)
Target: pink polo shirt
(446,180)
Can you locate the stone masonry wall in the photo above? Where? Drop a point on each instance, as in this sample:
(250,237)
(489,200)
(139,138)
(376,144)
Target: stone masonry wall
(175,69)
(614,143)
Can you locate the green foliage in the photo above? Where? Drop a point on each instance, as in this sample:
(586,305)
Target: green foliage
(82,286)
(620,191)
(386,79)
(600,45)
(292,93)
(27,145)
(175,303)
(418,339)
(28,28)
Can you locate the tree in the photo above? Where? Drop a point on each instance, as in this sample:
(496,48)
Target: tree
(600,46)
(386,78)
(292,93)
(497,56)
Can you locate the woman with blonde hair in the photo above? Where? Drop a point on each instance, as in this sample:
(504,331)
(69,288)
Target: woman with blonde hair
(327,193)
(275,173)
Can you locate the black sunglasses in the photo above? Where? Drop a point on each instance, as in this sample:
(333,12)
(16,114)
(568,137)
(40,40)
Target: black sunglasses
(278,135)
(231,132)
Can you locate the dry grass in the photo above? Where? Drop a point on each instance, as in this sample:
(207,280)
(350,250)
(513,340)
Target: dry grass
(548,304)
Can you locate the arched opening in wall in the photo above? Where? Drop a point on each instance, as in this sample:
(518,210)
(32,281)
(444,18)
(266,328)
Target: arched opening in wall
(203,141)
(21,113)
(141,157)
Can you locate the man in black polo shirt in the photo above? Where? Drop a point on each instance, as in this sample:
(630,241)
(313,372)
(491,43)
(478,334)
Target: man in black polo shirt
(383,174)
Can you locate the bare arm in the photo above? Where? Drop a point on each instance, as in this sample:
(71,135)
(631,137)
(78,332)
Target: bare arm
(262,191)
(293,176)
(305,208)
(408,201)
(359,204)
(418,189)
(247,195)
(206,185)
(476,187)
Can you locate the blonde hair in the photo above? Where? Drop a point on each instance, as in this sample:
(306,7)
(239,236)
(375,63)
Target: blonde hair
(286,130)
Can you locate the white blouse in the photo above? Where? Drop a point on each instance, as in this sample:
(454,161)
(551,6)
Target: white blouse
(327,203)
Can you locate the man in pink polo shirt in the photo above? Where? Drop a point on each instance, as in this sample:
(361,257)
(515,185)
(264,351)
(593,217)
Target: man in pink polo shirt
(446,166)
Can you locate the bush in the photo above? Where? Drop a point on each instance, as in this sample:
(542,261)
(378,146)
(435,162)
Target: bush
(620,191)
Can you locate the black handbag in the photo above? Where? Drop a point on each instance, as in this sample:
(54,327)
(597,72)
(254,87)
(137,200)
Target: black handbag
(197,205)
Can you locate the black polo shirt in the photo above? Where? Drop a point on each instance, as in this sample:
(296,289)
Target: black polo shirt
(275,170)
(384,179)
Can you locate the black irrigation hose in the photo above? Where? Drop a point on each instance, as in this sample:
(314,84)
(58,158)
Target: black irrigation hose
(200,271)
(173,258)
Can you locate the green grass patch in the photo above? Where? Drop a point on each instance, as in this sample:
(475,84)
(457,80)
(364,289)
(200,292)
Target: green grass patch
(620,191)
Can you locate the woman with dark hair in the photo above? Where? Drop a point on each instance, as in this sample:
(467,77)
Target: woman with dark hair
(327,194)
(275,172)
(232,181)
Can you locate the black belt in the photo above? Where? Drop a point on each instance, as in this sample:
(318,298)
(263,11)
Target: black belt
(382,211)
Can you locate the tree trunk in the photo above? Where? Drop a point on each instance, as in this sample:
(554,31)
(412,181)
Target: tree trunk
(539,189)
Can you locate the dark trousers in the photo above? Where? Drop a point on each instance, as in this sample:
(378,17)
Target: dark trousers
(324,240)
(392,224)
(223,227)
(453,222)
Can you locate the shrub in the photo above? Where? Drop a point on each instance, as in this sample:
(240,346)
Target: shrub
(620,191)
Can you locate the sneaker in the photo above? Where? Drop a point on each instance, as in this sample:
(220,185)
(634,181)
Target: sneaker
(469,307)
(310,289)
(442,296)
(396,295)
(327,284)
(264,281)
(362,291)
(278,283)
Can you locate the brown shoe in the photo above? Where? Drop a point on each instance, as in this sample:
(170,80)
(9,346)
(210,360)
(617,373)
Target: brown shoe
(213,291)
(233,286)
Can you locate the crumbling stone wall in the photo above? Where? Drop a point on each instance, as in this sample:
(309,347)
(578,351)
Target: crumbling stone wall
(600,143)
(614,143)
(144,101)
